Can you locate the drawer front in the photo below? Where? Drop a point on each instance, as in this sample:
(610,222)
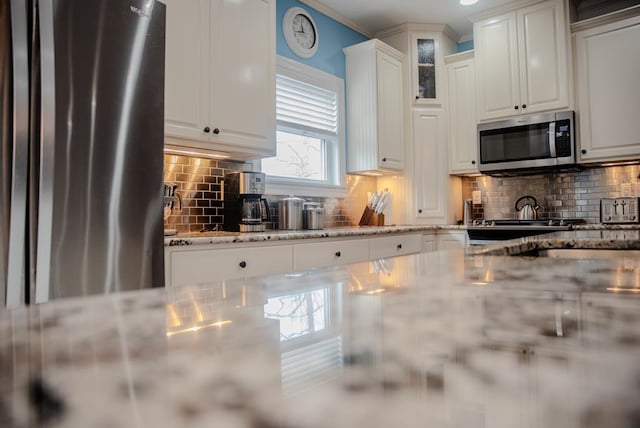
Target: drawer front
(428,242)
(196,267)
(399,245)
(321,254)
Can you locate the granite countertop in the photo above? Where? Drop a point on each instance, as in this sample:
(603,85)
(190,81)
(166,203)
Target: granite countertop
(444,339)
(199,238)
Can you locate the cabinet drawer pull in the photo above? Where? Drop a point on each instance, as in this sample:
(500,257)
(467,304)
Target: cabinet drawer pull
(384,159)
(516,107)
(206,130)
(399,246)
(524,106)
(338,253)
(243,264)
(583,151)
(216,131)
(419,211)
(417,97)
(473,162)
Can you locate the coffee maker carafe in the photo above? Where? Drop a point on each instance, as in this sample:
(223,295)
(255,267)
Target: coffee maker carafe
(245,209)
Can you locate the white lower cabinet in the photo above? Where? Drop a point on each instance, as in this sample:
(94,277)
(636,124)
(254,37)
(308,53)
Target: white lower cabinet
(429,242)
(187,266)
(321,254)
(450,239)
(396,245)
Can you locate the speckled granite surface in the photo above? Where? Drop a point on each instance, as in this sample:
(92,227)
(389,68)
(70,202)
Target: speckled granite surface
(285,235)
(430,340)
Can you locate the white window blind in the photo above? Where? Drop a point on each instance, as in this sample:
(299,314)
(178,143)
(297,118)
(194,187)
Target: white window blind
(301,105)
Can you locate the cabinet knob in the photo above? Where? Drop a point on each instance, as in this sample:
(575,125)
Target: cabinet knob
(216,131)
(419,211)
(243,264)
(338,254)
(473,162)
(207,130)
(417,97)
(524,106)
(516,107)
(583,151)
(399,247)
(384,159)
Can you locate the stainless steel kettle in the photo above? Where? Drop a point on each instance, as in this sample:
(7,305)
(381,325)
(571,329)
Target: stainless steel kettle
(527,208)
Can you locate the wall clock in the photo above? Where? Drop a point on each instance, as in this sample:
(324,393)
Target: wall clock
(300,32)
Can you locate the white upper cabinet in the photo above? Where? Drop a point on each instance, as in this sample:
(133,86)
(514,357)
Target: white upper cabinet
(220,76)
(607,70)
(375,108)
(461,82)
(522,61)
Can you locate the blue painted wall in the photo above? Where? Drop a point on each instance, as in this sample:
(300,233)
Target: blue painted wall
(465,46)
(333,37)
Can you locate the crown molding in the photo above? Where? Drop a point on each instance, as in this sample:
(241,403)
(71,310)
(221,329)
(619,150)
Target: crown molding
(499,10)
(460,56)
(413,26)
(336,16)
(609,18)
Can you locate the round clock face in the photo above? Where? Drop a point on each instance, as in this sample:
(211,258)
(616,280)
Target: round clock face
(304,32)
(300,32)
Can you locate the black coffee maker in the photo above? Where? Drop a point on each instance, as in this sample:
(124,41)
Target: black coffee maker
(245,210)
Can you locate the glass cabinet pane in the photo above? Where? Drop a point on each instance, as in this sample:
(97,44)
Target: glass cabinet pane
(426,68)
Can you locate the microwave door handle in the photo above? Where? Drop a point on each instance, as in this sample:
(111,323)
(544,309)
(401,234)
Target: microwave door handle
(552,139)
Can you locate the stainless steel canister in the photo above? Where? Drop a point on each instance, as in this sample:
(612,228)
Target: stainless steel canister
(313,216)
(290,213)
(466,218)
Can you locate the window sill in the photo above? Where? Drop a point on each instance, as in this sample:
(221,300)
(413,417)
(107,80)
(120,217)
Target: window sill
(283,186)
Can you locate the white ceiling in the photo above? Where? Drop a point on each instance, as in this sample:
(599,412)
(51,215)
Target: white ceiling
(376,15)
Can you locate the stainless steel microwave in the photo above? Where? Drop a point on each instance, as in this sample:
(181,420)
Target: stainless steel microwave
(527,143)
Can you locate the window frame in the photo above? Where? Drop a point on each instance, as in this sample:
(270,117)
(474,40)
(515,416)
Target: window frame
(335,185)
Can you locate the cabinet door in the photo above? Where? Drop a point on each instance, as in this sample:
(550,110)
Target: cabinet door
(321,254)
(204,266)
(543,57)
(451,239)
(426,73)
(399,245)
(243,74)
(496,50)
(187,70)
(390,112)
(608,60)
(430,164)
(462,117)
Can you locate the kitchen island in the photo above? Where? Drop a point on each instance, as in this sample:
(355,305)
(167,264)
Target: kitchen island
(442,339)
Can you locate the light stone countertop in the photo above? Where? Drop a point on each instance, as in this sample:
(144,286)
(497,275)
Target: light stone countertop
(203,238)
(438,340)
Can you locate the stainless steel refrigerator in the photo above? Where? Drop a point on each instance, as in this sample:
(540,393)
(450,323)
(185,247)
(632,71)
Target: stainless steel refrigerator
(81,128)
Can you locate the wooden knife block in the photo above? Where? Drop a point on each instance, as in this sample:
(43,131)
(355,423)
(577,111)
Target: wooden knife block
(370,218)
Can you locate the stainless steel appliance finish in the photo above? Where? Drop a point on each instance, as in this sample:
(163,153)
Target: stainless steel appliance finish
(172,203)
(484,232)
(82,138)
(245,210)
(467,208)
(527,143)
(527,208)
(290,213)
(312,216)
(619,210)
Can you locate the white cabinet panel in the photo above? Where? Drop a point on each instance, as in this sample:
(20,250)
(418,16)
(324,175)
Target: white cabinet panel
(430,163)
(220,78)
(451,239)
(607,70)
(429,242)
(522,61)
(321,254)
(397,245)
(375,108)
(463,146)
(187,267)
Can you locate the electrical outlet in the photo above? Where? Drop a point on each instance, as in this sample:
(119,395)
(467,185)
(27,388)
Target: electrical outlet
(476,195)
(626,190)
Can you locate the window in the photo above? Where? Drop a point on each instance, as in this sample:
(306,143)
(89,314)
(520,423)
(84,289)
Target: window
(310,133)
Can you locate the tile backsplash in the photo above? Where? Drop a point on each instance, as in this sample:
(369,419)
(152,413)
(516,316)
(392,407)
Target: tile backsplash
(199,183)
(565,195)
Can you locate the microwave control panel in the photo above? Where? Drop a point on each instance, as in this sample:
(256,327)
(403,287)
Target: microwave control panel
(563,138)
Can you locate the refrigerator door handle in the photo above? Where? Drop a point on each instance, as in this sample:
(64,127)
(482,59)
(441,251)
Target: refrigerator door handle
(16,269)
(47,151)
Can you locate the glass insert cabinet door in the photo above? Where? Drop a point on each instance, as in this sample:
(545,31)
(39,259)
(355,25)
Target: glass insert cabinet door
(425,69)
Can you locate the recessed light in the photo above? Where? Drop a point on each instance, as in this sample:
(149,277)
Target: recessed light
(468,2)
